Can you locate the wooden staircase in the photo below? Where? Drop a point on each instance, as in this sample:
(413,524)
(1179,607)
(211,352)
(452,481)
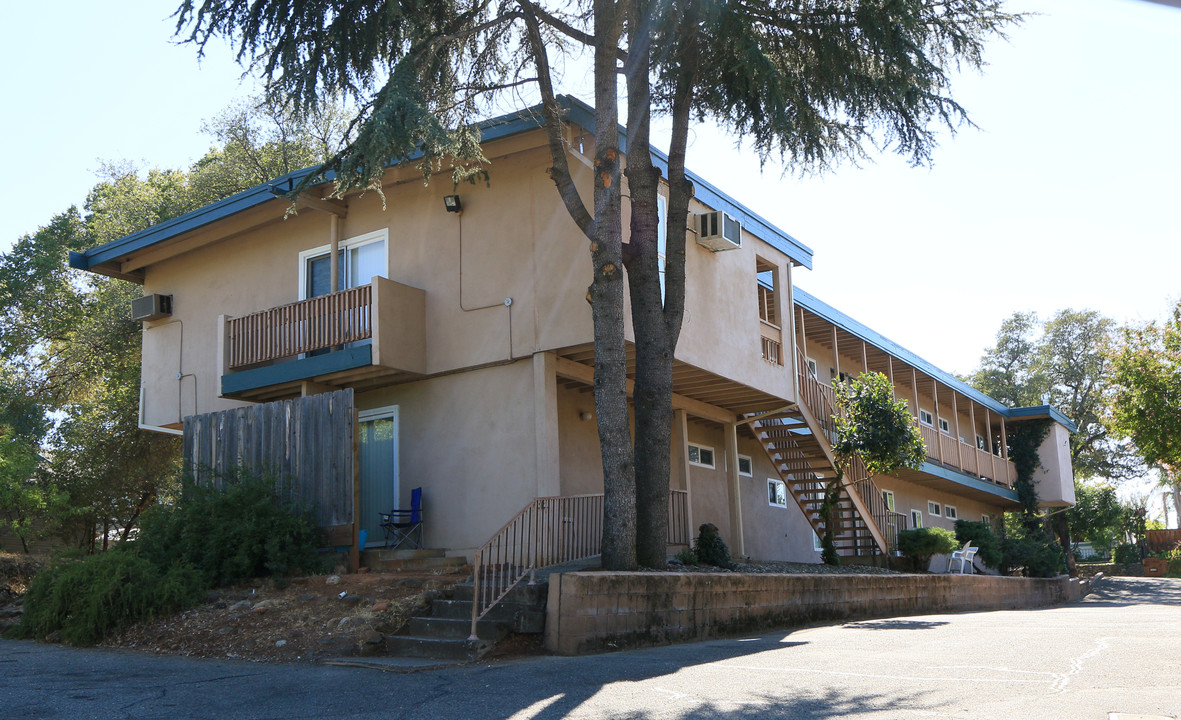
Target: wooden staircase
(798,441)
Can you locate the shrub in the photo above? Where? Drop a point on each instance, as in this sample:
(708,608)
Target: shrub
(981,536)
(922,544)
(1126,554)
(242,530)
(687,557)
(1038,557)
(88,599)
(710,548)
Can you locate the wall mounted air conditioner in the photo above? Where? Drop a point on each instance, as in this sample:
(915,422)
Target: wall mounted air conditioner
(151,307)
(718,231)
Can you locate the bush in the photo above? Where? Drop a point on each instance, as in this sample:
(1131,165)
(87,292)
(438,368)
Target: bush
(981,536)
(710,548)
(1038,558)
(88,599)
(1126,554)
(687,557)
(241,531)
(922,544)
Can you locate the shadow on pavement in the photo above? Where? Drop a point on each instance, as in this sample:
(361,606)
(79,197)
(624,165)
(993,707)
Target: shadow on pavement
(1112,591)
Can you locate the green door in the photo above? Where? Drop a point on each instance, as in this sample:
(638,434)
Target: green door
(378,456)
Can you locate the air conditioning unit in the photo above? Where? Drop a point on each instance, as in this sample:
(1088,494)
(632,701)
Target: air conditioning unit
(718,231)
(151,307)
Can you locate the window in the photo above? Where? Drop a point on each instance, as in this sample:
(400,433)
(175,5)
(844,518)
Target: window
(817,545)
(776,493)
(765,276)
(745,467)
(361,258)
(980,443)
(949,512)
(812,369)
(926,418)
(888,499)
(916,519)
(701,455)
(986,518)
(944,426)
(933,509)
(842,376)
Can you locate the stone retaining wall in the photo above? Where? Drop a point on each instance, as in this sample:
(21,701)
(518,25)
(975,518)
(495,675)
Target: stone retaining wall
(591,612)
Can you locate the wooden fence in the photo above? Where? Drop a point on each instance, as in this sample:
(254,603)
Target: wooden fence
(1162,540)
(308,444)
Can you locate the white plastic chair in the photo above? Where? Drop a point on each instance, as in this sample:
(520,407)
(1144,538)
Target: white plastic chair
(966,556)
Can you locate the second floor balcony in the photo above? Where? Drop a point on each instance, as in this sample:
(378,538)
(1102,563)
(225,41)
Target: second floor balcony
(368,333)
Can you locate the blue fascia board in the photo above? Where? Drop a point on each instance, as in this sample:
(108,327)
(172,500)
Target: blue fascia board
(969,482)
(495,128)
(301,369)
(583,116)
(1044,411)
(812,304)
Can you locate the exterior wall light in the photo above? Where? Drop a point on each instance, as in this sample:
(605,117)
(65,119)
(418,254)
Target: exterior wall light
(451,202)
(584,416)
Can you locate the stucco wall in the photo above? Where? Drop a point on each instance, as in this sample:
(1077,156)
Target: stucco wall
(468,440)
(1055,477)
(597,612)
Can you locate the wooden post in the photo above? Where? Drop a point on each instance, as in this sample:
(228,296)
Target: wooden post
(955,416)
(836,358)
(680,445)
(334,252)
(864,358)
(355,552)
(938,430)
(914,384)
(735,489)
(1004,441)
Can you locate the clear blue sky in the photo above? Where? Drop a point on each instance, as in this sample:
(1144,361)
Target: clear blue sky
(1067,195)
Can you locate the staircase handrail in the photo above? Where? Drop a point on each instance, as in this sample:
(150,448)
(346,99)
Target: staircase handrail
(548,531)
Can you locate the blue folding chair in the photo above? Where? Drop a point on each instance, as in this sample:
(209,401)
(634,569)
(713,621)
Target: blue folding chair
(404,526)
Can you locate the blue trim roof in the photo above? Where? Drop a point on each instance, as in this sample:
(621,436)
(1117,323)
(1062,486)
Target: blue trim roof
(308,367)
(500,127)
(817,307)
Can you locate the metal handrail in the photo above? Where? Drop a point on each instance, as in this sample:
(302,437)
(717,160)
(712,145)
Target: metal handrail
(549,531)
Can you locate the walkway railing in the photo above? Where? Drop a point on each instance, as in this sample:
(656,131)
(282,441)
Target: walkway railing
(321,322)
(550,531)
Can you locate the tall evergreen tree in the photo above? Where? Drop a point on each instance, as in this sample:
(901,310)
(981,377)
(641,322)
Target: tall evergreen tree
(811,82)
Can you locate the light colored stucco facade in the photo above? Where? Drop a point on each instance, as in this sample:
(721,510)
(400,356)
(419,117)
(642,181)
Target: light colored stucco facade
(482,337)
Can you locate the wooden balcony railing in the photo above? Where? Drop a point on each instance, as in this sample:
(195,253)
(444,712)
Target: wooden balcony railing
(968,458)
(772,338)
(550,531)
(321,322)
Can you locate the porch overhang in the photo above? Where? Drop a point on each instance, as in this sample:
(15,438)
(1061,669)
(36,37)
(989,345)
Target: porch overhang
(933,476)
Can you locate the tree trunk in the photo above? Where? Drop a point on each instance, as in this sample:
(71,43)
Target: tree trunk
(1062,530)
(606,297)
(654,355)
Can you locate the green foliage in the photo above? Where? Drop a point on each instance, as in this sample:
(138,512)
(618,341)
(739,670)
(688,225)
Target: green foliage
(1024,440)
(922,544)
(1097,517)
(982,537)
(240,530)
(1030,550)
(876,427)
(67,339)
(1064,358)
(710,548)
(1146,370)
(687,558)
(1125,554)
(86,600)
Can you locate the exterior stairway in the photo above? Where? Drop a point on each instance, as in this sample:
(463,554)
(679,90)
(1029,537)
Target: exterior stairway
(797,440)
(444,633)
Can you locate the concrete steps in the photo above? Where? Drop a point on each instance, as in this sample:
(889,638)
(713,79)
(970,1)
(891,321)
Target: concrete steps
(444,634)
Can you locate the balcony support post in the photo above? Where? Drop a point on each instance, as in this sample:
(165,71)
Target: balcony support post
(334,252)
(864,358)
(955,416)
(914,385)
(735,489)
(938,430)
(836,358)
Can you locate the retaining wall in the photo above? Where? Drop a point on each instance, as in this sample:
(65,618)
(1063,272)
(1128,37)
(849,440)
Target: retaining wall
(591,612)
